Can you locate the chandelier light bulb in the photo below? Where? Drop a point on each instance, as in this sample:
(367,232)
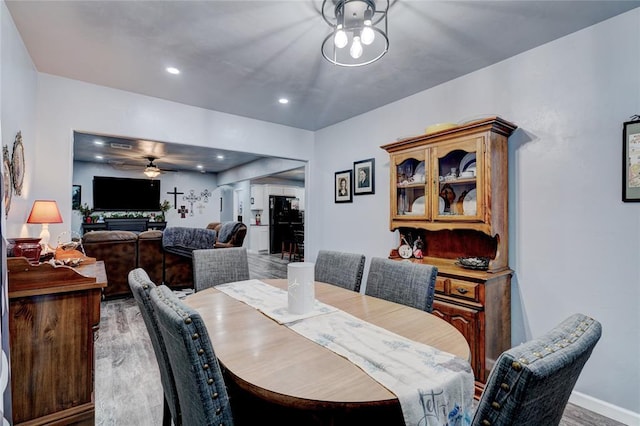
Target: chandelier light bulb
(356,26)
(340,39)
(368,35)
(356,48)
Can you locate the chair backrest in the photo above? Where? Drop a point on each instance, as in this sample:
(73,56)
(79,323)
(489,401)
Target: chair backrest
(199,381)
(218,266)
(411,284)
(339,268)
(530,384)
(141,285)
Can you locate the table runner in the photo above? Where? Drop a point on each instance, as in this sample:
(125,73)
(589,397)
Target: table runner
(434,388)
(270,300)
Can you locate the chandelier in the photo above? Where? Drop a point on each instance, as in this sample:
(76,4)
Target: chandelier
(356,39)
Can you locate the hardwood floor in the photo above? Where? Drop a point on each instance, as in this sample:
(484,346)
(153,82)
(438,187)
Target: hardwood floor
(127,382)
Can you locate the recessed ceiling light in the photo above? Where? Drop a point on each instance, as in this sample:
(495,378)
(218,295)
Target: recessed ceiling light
(98,142)
(99,157)
(283,101)
(199,166)
(173,70)
(220,157)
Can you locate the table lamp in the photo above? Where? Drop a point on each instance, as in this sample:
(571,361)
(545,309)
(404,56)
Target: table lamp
(44,212)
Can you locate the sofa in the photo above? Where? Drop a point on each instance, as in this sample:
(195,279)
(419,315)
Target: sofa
(228,234)
(164,255)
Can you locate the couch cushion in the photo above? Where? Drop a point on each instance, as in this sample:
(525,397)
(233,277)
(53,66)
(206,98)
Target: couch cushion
(100,236)
(227,230)
(151,234)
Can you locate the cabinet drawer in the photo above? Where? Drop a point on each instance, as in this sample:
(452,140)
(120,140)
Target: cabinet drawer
(458,288)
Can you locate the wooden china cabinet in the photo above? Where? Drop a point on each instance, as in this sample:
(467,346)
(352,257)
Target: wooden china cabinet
(449,190)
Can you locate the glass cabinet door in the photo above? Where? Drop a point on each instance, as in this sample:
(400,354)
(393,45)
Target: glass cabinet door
(409,179)
(459,174)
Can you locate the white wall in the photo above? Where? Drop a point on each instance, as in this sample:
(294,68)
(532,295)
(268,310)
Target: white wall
(17,113)
(19,85)
(574,245)
(66,105)
(204,211)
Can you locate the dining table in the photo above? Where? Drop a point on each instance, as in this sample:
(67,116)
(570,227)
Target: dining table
(278,372)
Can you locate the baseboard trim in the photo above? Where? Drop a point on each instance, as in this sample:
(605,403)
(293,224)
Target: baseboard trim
(603,408)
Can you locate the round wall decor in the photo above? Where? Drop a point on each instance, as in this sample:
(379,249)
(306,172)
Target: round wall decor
(7,180)
(17,164)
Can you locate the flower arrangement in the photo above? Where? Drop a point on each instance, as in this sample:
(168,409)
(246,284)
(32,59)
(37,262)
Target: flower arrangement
(85,210)
(165,206)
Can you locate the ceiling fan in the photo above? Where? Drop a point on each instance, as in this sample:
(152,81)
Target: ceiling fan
(151,170)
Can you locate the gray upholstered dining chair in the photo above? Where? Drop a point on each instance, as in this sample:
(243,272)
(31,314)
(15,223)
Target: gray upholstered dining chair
(530,384)
(408,283)
(141,285)
(339,268)
(201,389)
(218,266)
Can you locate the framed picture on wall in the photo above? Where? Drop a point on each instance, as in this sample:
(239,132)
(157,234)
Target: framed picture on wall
(343,186)
(631,160)
(364,172)
(76,197)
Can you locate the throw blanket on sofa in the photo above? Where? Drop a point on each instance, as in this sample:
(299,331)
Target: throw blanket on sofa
(183,241)
(227,230)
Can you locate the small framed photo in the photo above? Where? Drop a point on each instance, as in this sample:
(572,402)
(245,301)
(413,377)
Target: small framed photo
(343,186)
(631,161)
(364,172)
(76,197)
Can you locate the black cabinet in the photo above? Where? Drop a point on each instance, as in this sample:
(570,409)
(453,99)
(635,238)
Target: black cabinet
(123,224)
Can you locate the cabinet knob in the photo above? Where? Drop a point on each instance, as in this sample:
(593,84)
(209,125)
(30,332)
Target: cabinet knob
(462,290)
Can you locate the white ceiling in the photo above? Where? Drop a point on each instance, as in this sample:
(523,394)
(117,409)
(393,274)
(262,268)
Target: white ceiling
(240,56)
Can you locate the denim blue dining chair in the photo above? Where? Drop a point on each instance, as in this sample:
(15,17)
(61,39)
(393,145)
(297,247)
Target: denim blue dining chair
(212,267)
(530,384)
(201,389)
(411,284)
(340,268)
(141,285)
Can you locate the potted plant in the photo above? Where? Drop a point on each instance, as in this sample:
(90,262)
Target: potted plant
(164,207)
(85,211)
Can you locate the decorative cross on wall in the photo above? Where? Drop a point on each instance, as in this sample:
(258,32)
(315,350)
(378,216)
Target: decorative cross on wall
(182,211)
(175,197)
(205,195)
(191,198)
(200,208)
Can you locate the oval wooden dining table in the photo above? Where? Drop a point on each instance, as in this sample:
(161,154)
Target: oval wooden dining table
(270,363)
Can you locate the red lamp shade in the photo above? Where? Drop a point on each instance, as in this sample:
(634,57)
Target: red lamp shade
(44,211)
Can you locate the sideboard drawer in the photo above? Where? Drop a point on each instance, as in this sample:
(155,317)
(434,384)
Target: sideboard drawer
(458,288)
(464,289)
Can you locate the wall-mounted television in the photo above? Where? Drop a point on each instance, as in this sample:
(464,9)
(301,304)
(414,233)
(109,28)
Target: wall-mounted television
(118,194)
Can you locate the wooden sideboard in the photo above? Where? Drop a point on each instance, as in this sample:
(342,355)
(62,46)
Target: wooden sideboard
(53,315)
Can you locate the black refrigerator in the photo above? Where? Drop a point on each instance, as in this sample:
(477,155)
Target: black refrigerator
(283,219)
